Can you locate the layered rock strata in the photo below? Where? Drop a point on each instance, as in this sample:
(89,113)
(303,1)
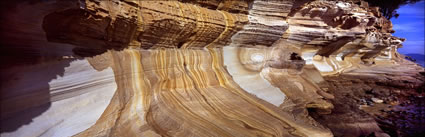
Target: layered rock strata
(204,68)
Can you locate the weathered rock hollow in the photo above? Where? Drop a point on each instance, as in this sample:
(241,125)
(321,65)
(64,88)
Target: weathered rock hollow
(203,68)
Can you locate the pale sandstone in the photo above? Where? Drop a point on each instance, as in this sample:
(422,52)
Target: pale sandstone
(204,68)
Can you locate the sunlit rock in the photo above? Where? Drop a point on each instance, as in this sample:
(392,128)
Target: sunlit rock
(199,68)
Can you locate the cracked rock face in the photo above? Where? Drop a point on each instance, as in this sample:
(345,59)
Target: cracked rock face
(201,68)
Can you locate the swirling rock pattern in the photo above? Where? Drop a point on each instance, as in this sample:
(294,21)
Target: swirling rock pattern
(200,68)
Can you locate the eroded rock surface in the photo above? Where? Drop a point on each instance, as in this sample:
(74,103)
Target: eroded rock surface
(204,68)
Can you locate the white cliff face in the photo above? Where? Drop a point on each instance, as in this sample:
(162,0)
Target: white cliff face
(78,98)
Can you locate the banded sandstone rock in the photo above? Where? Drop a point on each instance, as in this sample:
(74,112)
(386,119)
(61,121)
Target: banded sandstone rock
(196,68)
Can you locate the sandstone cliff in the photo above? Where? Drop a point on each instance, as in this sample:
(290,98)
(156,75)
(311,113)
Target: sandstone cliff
(205,68)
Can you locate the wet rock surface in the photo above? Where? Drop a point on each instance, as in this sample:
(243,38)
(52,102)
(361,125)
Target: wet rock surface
(400,113)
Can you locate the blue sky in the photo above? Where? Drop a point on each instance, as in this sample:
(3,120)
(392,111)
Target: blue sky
(410,25)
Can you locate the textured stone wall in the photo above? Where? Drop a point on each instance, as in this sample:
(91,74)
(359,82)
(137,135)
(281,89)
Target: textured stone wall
(197,68)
